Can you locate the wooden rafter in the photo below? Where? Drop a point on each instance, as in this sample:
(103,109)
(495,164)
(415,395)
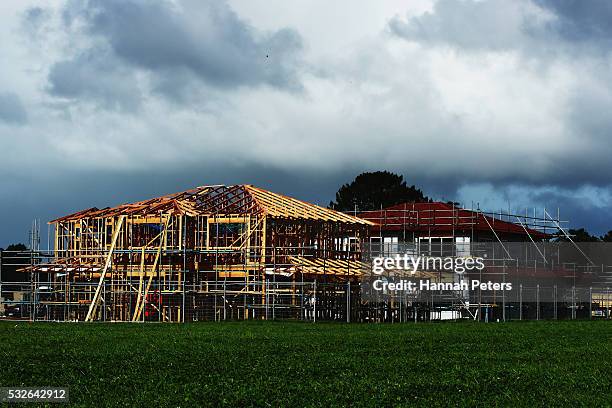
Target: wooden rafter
(212,200)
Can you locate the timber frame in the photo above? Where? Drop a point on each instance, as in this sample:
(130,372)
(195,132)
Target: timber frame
(211,252)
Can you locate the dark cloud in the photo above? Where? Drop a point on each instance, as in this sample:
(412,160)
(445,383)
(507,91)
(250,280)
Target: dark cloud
(544,39)
(11,109)
(586,206)
(472,96)
(96,75)
(180,45)
(107,188)
(577,209)
(582,21)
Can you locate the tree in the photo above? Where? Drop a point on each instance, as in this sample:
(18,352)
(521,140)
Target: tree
(16,247)
(370,191)
(579,235)
(15,256)
(607,237)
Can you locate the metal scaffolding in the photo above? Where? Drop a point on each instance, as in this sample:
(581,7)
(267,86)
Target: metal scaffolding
(210,253)
(240,252)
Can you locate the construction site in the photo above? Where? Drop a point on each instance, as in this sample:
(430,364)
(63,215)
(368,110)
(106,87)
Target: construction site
(240,252)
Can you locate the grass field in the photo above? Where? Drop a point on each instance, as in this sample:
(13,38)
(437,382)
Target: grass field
(302,364)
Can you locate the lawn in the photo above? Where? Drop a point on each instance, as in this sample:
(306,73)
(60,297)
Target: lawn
(304,364)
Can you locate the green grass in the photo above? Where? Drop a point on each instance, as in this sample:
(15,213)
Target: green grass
(305,364)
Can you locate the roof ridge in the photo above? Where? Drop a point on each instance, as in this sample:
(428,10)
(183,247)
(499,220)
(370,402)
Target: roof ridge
(322,211)
(269,202)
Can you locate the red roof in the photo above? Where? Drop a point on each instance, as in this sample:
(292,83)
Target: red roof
(444,218)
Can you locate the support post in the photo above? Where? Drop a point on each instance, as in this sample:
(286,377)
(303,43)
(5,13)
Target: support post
(184,277)
(555,301)
(590,303)
(109,258)
(315,302)
(573,302)
(608,308)
(1,298)
(162,242)
(521,301)
(538,302)
(348,301)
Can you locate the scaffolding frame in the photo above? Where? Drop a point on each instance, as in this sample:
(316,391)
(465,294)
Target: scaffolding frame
(240,252)
(216,249)
(413,219)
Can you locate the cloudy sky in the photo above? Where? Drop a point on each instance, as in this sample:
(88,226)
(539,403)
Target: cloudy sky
(501,102)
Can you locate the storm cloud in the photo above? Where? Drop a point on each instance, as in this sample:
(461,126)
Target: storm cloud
(580,22)
(497,102)
(95,75)
(177,44)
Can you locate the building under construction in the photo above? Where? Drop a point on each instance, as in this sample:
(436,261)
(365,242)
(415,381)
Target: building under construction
(553,276)
(241,252)
(213,252)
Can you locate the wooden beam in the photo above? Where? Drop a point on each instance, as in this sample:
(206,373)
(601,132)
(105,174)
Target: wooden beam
(162,243)
(109,257)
